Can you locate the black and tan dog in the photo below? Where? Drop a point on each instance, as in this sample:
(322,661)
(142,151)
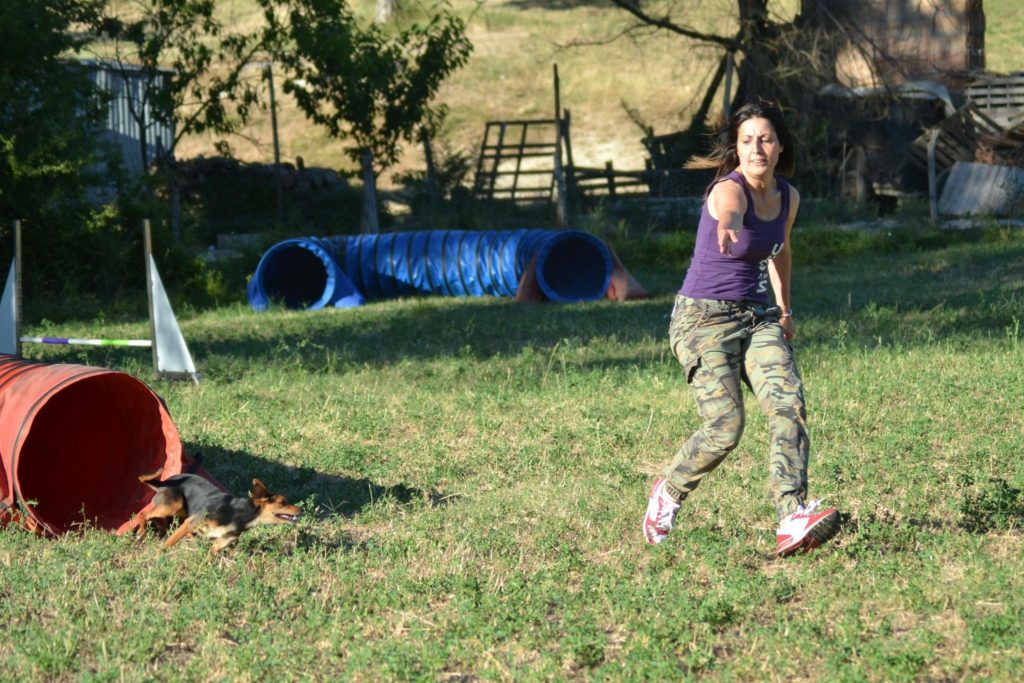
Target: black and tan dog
(207,510)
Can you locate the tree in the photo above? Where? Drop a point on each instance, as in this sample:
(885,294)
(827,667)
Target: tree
(753,37)
(205,89)
(788,61)
(785,60)
(367,85)
(849,43)
(49,108)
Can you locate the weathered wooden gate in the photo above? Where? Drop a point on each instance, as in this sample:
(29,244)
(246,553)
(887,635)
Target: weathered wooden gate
(517,160)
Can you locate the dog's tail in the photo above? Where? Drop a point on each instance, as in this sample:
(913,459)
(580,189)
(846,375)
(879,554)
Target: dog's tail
(147,478)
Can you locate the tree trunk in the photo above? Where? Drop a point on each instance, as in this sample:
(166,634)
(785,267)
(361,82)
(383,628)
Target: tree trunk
(370,223)
(386,11)
(432,185)
(758,57)
(174,195)
(143,146)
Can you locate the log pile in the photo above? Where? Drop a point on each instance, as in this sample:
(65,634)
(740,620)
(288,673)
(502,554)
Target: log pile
(1006,149)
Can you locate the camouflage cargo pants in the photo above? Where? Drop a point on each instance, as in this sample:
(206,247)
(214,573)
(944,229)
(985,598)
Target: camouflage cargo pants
(720,344)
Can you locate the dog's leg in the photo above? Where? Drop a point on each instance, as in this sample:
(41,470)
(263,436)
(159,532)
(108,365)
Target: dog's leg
(181,532)
(160,510)
(221,543)
(140,530)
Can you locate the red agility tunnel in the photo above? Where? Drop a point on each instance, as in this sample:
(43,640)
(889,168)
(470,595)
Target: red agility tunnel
(73,442)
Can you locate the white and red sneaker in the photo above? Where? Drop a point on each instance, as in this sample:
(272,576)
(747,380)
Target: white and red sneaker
(661,512)
(806,529)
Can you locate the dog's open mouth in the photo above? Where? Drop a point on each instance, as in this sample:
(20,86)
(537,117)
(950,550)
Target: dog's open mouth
(291,519)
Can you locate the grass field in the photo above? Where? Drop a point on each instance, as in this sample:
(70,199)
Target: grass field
(474,473)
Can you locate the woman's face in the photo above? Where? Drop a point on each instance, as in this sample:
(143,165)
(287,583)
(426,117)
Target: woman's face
(758,148)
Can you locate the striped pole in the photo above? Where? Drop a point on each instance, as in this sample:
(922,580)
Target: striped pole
(85,342)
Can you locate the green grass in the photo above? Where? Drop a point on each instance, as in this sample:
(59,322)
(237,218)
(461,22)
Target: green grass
(474,472)
(1004,50)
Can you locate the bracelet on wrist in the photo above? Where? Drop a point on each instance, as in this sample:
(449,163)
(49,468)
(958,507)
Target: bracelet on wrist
(786,314)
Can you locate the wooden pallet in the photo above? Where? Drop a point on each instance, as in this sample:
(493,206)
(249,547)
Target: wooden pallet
(958,140)
(1000,97)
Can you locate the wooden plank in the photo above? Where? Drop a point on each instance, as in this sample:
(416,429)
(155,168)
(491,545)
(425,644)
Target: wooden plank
(478,176)
(497,159)
(996,88)
(523,122)
(499,154)
(522,193)
(519,159)
(529,171)
(995,91)
(550,146)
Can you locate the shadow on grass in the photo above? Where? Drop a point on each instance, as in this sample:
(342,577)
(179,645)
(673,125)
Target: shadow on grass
(335,495)
(916,280)
(879,532)
(478,329)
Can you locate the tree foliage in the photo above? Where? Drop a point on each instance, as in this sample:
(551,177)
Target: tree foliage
(48,107)
(365,84)
(207,90)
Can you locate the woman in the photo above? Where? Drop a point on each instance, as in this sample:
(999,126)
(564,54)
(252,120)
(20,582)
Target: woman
(724,329)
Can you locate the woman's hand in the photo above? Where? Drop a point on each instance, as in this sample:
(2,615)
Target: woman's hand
(726,238)
(788,327)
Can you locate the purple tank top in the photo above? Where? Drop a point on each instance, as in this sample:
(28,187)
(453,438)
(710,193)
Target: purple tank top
(744,274)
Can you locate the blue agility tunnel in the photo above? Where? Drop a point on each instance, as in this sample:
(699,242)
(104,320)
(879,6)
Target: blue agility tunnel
(310,273)
(301,273)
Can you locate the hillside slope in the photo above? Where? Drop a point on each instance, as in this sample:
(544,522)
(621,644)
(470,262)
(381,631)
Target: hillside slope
(509,76)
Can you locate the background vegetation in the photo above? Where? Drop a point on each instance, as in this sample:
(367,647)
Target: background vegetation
(611,86)
(509,75)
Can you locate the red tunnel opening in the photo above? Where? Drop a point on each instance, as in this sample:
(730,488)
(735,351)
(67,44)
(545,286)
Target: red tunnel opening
(84,443)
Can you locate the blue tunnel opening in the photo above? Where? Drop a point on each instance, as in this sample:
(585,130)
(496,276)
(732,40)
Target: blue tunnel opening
(295,277)
(301,273)
(574,266)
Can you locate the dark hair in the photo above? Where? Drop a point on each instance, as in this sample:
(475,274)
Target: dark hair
(723,156)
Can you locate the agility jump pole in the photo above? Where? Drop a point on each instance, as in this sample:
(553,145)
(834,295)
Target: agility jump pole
(171,357)
(72,341)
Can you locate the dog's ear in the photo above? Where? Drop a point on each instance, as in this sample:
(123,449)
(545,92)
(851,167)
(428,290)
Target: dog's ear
(259,491)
